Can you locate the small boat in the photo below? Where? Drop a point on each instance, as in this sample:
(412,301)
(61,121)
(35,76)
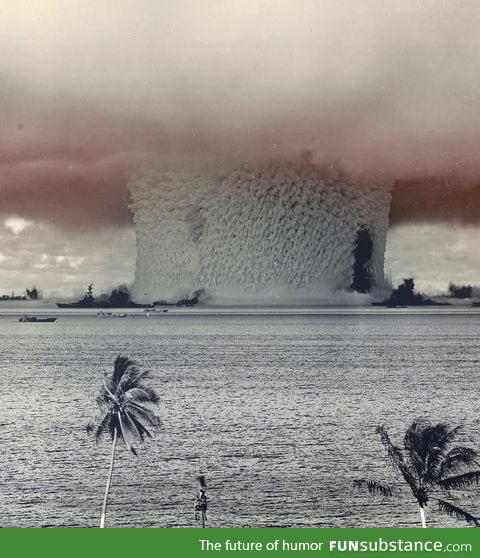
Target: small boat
(149,311)
(111,315)
(387,304)
(36,319)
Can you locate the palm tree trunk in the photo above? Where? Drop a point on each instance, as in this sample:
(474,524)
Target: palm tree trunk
(422,517)
(109,479)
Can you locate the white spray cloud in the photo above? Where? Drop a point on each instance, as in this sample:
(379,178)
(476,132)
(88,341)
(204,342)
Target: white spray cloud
(276,232)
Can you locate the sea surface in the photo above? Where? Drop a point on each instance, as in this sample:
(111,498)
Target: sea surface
(277,410)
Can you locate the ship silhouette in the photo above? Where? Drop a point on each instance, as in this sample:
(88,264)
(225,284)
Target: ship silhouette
(121,299)
(118,299)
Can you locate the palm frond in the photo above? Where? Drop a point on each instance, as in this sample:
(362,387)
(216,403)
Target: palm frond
(456,458)
(125,434)
(144,414)
(439,435)
(453,433)
(454,511)
(121,364)
(372,487)
(107,391)
(413,443)
(100,426)
(134,376)
(103,399)
(437,439)
(394,452)
(104,427)
(435,442)
(142,430)
(425,445)
(396,457)
(142,394)
(461,481)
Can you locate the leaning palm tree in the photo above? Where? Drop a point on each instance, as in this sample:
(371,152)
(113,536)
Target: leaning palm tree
(124,413)
(429,465)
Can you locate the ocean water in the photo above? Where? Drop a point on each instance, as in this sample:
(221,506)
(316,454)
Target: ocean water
(278,411)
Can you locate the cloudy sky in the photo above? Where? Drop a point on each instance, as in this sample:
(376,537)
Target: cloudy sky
(90,89)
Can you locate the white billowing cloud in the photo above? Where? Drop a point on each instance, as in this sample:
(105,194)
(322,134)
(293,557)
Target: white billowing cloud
(16,224)
(52,262)
(67,263)
(434,254)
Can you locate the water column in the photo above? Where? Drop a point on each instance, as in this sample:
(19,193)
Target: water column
(256,233)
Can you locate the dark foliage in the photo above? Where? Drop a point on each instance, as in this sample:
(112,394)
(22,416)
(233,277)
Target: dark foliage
(373,487)
(123,402)
(427,462)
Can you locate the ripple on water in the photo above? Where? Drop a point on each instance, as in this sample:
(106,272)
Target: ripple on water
(278,411)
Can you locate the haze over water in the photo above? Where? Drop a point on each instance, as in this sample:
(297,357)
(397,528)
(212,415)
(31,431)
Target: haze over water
(278,411)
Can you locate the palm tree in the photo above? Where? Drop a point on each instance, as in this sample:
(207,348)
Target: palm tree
(123,414)
(429,465)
